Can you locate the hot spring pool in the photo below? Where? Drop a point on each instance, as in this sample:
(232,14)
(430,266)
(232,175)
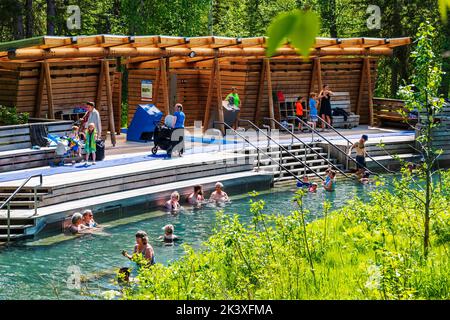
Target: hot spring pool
(39,268)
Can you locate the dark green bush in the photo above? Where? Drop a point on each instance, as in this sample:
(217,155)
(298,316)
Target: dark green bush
(10,116)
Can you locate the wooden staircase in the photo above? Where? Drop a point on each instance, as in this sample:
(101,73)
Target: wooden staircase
(313,160)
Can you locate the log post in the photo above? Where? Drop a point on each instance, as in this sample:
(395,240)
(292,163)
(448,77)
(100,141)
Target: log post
(157,83)
(209,98)
(319,73)
(219,95)
(101,80)
(112,128)
(262,78)
(269,91)
(48,82)
(361,86)
(40,93)
(165,86)
(313,77)
(370,93)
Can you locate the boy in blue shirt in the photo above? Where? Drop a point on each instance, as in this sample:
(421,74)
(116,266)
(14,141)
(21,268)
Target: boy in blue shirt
(313,110)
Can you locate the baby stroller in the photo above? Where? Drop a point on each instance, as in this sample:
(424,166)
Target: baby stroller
(162,138)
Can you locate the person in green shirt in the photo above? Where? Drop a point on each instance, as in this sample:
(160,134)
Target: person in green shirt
(233,98)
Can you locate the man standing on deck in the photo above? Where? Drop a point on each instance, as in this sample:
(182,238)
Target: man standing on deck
(178,125)
(361,153)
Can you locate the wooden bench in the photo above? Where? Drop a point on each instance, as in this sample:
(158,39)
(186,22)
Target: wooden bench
(16,151)
(389,112)
(342,100)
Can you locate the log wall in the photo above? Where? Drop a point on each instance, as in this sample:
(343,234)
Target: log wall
(291,76)
(73,83)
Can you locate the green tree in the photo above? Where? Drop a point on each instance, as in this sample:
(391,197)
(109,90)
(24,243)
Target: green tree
(422,95)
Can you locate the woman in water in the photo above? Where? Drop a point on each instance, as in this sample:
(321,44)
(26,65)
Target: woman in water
(329,181)
(142,247)
(325,105)
(169,237)
(196,198)
(173,204)
(219,196)
(77,224)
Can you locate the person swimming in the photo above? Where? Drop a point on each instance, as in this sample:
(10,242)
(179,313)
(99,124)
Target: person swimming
(76,225)
(313,187)
(218,194)
(329,182)
(304,183)
(169,237)
(88,219)
(173,204)
(142,247)
(196,198)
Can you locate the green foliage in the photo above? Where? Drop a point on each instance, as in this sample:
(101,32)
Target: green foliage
(422,94)
(9,116)
(444,5)
(362,251)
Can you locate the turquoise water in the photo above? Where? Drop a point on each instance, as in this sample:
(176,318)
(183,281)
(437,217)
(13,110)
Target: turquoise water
(39,268)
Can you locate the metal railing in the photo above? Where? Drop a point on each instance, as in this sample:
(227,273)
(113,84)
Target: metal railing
(7,203)
(349,143)
(258,149)
(309,147)
(305,165)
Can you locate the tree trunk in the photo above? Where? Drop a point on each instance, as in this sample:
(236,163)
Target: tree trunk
(51,16)
(29,22)
(18,20)
(332,17)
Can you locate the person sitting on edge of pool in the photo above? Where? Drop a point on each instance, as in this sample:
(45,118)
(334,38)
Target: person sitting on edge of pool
(76,224)
(88,219)
(174,203)
(142,247)
(169,236)
(218,194)
(196,197)
(313,187)
(329,181)
(304,183)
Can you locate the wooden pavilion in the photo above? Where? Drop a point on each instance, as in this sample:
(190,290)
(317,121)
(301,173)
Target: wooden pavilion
(45,75)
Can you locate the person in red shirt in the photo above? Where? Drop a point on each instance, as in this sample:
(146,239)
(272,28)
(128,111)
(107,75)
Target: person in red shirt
(300,106)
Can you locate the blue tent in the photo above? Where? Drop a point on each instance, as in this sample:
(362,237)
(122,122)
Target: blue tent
(144,122)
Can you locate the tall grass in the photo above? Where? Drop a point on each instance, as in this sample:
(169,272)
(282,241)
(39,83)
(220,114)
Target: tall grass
(367,250)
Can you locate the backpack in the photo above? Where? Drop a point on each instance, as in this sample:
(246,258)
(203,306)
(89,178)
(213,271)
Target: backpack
(340,112)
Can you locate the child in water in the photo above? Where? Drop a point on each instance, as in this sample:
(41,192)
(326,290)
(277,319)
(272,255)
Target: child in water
(169,237)
(313,188)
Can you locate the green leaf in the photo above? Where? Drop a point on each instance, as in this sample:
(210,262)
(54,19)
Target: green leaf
(443,7)
(280,29)
(306,29)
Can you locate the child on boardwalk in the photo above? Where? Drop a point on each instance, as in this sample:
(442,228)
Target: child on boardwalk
(313,111)
(90,146)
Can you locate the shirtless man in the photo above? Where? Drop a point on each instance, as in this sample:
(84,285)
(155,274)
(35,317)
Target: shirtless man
(219,195)
(360,154)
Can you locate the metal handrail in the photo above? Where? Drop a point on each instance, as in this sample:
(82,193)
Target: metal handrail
(349,141)
(7,202)
(282,147)
(332,144)
(310,148)
(259,150)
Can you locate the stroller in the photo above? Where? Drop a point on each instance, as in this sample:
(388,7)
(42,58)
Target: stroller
(162,138)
